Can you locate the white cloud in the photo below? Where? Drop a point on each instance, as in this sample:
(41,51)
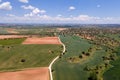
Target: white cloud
(28,7)
(10,15)
(34,11)
(6,6)
(42,11)
(24,1)
(98,6)
(59,15)
(28,15)
(72,8)
(80,18)
(30,18)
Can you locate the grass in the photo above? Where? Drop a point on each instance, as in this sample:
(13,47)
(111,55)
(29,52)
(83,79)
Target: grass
(64,70)
(115,36)
(11,41)
(3,31)
(114,72)
(34,55)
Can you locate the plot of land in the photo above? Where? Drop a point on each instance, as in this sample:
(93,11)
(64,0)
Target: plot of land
(33,74)
(44,40)
(12,36)
(12,30)
(12,56)
(65,70)
(61,29)
(11,41)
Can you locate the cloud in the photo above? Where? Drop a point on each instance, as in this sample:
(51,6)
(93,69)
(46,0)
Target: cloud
(72,8)
(59,15)
(29,18)
(24,1)
(10,15)
(28,7)
(34,11)
(98,6)
(6,6)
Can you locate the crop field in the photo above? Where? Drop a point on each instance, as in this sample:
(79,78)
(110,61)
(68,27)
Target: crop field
(41,73)
(34,55)
(3,31)
(11,41)
(15,56)
(88,56)
(65,70)
(26,61)
(12,36)
(114,72)
(44,40)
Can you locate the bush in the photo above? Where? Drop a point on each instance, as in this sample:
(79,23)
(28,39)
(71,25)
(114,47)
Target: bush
(23,60)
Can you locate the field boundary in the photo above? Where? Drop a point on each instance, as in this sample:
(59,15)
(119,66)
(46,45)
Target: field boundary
(50,66)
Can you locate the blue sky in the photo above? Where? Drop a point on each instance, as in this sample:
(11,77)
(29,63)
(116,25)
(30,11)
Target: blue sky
(60,11)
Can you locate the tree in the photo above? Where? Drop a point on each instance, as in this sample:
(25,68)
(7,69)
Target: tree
(87,54)
(52,70)
(87,68)
(93,76)
(83,52)
(80,56)
(23,60)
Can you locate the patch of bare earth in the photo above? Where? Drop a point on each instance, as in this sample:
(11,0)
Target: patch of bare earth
(12,30)
(44,40)
(31,74)
(12,36)
(61,29)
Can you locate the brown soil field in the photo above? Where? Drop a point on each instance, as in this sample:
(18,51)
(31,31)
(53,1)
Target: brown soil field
(61,29)
(44,40)
(11,30)
(30,74)
(12,36)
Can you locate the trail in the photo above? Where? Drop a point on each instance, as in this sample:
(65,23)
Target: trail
(50,66)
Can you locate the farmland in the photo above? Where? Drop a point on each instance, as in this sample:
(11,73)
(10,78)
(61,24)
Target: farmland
(11,41)
(16,56)
(41,73)
(65,70)
(99,61)
(90,54)
(114,71)
(43,40)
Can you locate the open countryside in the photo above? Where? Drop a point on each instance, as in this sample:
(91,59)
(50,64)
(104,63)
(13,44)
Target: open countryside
(59,40)
(68,54)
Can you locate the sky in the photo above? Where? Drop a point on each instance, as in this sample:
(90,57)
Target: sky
(60,11)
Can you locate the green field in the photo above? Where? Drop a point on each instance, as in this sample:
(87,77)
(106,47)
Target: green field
(64,70)
(15,56)
(11,41)
(3,31)
(114,72)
